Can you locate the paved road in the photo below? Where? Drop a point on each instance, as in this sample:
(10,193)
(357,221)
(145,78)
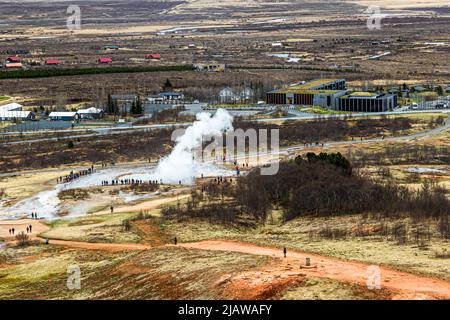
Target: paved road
(131,128)
(352,115)
(97,132)
(419,135)
(415,136)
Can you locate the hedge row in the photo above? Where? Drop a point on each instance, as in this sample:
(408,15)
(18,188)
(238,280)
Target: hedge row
(20,74)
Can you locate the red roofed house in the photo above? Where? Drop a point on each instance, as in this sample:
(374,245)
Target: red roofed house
(13,60)
(105,60)
(155,56)
(53,62)
(13,65)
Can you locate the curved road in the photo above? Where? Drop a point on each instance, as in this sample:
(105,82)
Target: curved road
(130,128)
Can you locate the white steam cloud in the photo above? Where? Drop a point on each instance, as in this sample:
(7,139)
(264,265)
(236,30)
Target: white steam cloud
(178,166)
(181,165)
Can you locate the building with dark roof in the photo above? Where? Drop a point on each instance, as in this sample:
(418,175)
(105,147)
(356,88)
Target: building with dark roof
(367,102)
(331,94)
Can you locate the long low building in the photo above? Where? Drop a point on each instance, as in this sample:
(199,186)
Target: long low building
(331,94)
(367,102)
(16,115)
(14,111)
(63,116)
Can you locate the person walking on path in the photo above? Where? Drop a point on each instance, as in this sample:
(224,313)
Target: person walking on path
(285,252)
(175,241)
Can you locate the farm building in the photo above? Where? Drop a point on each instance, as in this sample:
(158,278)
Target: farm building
(16,115)
(13,60)
(53,62)
(153,56)
(90,113)
(17,65)
(13,111)
(63,116)
(331,94)
(105,60)
(217,67)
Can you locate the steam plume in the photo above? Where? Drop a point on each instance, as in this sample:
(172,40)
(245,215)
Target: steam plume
(180,165)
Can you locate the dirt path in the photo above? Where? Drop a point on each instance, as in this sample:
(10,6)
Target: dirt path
(147,205)
(19,226)
(101,246)
(404,285)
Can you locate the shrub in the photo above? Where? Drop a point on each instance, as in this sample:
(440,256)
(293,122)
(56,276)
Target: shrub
(22,238)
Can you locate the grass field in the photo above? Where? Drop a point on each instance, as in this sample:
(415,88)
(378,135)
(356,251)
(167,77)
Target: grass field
(99,228)
(168,273)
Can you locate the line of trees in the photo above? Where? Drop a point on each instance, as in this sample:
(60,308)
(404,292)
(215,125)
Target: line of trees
(327,129)
(325,185)
(20,74)
(313,185)
(402,154)
(108,148)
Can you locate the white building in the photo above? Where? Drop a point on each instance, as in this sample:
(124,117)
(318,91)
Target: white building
(90,113)
(14,111)
(64,116)
(228,95)
(166,97)
(16,115)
